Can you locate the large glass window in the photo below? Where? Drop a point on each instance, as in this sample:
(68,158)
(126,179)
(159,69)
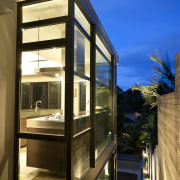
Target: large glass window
(43,91)
(45,10)
(81,82)
(44,33)
(103,103)
(81,19)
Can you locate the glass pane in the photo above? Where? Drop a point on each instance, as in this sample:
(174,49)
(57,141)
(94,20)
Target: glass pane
(103,103)
(81,19)
(81,104)
(44,33)
(102,47)
(43,91)
(81,156)
(106,172)
(42,160)
(45,10)
(81,82)
(81,53)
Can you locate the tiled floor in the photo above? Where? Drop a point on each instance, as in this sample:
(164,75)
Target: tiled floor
(30,173)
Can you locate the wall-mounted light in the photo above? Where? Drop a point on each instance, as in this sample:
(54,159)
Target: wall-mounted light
(145,171)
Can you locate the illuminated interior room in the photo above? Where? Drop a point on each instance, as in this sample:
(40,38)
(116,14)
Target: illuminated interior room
(65,115)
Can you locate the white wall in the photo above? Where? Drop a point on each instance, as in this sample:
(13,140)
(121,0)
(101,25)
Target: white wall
(7,6)
(7,93)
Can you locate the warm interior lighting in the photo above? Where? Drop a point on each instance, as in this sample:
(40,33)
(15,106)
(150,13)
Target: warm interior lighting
(32,61)
(106,170)
(61,78)
(29,56)
(44,3)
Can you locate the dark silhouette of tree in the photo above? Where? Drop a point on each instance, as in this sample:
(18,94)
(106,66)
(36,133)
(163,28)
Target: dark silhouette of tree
(162,83)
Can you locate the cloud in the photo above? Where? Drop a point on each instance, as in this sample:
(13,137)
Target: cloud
(137,29)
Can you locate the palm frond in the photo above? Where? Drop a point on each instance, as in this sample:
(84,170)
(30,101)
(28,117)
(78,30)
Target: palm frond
(156,59)
(163,82)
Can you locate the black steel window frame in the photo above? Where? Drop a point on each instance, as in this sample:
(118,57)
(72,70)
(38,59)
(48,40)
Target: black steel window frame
(80,6)
(64,42)
(30,2)
(113,94)
(91,38)
(82,29)
(87,9)
(101,52)
(111,91)
(115,101)
(36,46)
(112,159)
(68,43)
(94,47)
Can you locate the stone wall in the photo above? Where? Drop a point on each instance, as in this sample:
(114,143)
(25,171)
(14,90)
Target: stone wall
(168,152)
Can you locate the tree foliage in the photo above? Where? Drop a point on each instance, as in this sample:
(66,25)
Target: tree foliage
(162,83)
(128,136)
(131,136)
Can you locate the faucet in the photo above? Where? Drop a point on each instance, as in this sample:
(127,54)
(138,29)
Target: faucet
(37,102)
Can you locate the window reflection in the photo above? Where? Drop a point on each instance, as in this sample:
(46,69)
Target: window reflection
(81,82)
(103,106)
(81,104)
(106,172)
(81,19)
(81,54)
(103,48)
(81,156)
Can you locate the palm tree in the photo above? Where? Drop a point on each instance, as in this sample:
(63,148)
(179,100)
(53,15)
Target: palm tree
(162,83)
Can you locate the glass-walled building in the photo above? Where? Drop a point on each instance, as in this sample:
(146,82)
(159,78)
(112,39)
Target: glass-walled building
(65,116)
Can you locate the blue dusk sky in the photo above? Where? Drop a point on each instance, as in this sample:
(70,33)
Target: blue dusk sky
(138,28)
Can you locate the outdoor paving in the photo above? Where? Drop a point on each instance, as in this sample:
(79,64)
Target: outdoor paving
(126,176)
(128,167)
